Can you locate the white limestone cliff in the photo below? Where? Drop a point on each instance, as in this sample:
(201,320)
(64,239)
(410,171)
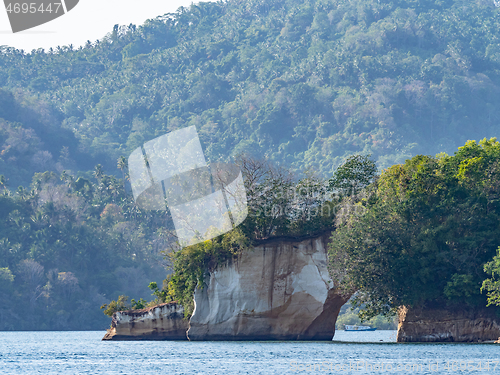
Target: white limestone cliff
(279,290)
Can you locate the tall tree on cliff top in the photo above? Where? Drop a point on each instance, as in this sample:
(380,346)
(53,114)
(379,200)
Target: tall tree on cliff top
(355,174)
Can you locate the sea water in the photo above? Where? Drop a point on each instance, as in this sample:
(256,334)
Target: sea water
(349,353)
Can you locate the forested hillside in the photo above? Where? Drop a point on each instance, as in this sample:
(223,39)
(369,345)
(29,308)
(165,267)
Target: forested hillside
(304,82)
(69,245)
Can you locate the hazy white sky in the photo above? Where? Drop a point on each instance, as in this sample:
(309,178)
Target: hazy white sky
(89,20)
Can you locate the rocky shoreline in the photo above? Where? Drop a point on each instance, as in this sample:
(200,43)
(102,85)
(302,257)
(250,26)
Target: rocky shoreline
(279,290)
(448,325)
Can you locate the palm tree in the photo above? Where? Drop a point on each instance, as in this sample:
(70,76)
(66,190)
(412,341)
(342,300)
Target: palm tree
(98,172)
(64,176)
(22,192)
(122,165)
(3,182)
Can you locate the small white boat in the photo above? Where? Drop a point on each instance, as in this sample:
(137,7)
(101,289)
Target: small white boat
(358,328)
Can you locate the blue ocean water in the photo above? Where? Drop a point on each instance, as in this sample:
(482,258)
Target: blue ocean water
(349,353)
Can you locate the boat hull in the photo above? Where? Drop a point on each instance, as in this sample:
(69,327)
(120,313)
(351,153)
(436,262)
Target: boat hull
(358,328)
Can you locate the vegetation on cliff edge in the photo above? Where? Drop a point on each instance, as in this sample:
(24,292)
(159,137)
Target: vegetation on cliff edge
(422,234)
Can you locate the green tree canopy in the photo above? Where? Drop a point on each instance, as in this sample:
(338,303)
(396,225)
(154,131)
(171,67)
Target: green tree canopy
(492,284)
(355,174)
(425,234)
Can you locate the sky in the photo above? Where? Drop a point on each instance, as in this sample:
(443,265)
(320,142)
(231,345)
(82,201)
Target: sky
(88,20)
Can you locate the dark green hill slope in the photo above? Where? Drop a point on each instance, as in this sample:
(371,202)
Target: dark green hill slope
(304,82)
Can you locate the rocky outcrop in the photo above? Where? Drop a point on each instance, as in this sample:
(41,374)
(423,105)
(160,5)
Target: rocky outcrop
(447,325)
(161,322)
(279,290)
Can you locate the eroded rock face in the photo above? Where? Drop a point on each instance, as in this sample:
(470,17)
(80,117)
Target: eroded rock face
(161,322)
(442,325)
(279,290)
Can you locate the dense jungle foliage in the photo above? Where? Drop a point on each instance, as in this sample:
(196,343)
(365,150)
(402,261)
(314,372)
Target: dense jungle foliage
(305,83)
(69,245)
(424,234)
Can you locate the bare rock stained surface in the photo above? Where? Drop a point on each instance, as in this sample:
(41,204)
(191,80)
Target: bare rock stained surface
(161,322)
(279,290)
(447,325)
